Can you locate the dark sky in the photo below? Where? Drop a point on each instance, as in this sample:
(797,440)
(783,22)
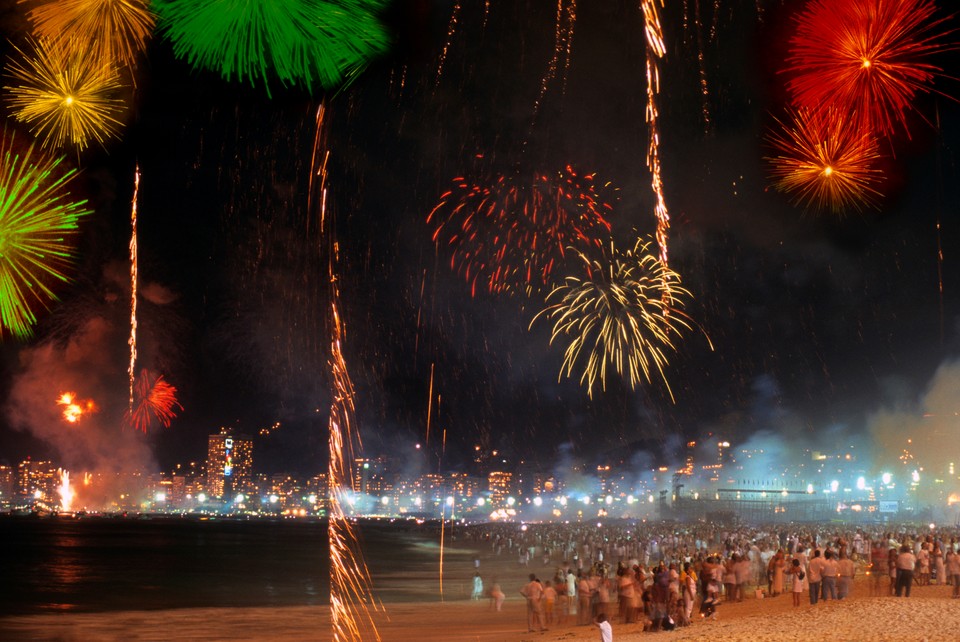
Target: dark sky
(818,321)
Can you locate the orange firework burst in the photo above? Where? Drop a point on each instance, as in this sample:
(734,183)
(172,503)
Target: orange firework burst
(824,161)
(74,409)
(865,56)
(115,31)
(155,401)
(510,235)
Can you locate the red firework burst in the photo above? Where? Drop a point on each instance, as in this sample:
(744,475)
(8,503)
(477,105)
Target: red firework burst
(870,57)
(509,234)
(155,401)
(825,162)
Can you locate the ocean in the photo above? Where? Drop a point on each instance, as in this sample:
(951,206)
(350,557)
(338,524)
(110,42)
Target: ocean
(96,564)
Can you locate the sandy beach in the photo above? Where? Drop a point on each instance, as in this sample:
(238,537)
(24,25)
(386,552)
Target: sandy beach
(929,614)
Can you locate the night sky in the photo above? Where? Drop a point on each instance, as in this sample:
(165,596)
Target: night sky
(819,323)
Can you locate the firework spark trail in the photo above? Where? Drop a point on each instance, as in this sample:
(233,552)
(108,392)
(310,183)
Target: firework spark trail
(621,313)
(350,594)
(655,51)
(114,32)
(702,70)
(132,341)
(451,31)
(562,46)
(825,161)
(38,225)
(64,95)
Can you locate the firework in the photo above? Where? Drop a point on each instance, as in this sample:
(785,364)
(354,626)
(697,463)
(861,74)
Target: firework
(620,315)
(563,44)
(64,95)
(156,402)
(654,51)
(74,409)
(37,228)
(509,235)
(112,31)
(299,42)
(825,162)
(132,341)
(865,56)
(350,594)
(65,490)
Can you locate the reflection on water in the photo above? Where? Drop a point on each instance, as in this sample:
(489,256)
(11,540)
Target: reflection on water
(105,564)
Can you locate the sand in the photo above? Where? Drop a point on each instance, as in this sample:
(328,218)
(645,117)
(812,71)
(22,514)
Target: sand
(929,614)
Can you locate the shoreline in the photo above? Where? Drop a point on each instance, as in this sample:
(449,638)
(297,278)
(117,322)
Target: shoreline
(929,615)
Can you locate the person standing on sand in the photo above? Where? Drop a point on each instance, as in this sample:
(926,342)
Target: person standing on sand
(796,570)
(906,562)
(549,599)
(846,570)
(584,596)
(497,597)
(828,576)
(814,577)
(477,586)
(533,591)
(953,571)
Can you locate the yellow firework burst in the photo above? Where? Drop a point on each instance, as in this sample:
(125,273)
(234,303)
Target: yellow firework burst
(65,96)
(113,31)
(622,314)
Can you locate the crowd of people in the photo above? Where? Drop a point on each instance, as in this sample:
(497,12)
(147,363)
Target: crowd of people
(659,574)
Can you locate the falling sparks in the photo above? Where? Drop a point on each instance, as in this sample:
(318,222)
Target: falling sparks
(620,315)
(825,162)
(655,50)
(451,31)
(64,95)
(132,341)
(75,409)
(562,48)
(155,402)
(350,594)
(509,234)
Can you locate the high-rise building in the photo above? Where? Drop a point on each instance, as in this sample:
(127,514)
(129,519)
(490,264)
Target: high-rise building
(8,479)
(500,485)
(36,479)
(229,463)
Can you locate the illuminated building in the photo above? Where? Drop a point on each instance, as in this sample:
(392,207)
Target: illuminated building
(500,485)
(370,476)
(229,463)
(8,484)
(36,478)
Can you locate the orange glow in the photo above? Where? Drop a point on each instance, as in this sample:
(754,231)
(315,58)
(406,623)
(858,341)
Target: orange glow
(74,409)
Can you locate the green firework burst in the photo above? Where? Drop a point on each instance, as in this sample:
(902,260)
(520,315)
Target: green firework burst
(38,224)
(299,42)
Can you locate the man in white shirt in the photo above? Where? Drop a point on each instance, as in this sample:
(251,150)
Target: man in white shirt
(828,575)
(847,570)
(533,591)
(906,562)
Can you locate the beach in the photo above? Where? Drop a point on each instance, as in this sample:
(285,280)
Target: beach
(929,614)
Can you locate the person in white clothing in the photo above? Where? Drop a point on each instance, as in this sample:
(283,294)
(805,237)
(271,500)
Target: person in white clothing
(606,631)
